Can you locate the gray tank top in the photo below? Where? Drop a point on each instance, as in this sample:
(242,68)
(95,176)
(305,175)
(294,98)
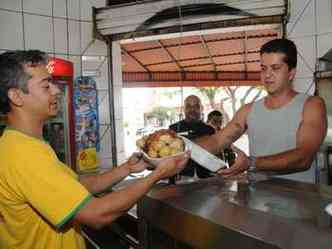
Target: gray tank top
(274,131)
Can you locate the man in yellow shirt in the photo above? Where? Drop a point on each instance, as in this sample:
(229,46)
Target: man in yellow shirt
(42,201)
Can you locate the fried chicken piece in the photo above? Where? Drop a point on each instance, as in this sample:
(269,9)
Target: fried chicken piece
(177,145)
(152,153)
(161,143)
(165,151)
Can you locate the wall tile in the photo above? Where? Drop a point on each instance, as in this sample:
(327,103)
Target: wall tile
(306,59)
(60,33)
(77,65)
(116,63)
(11,4)
(119,132)
(90,65)
(98,3)
(74,9)
(304,85)
(86,29)
(86,10)
(102,81)
(296,8)
(118,105)
(305,24)
(59,8)
(105,153)
(103,103)
(97,48)
(38,32)
(60,56)
(324,44)
(11,26)
(324,17)
(74,37)
(38,7)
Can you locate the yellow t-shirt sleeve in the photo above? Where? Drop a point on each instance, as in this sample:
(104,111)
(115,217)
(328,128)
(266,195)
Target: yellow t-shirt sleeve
(51,189)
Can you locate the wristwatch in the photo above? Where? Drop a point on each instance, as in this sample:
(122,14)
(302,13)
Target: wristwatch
(252,164)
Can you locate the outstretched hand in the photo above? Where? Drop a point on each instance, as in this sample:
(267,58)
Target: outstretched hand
(240,165)
(172,166)
(136,163)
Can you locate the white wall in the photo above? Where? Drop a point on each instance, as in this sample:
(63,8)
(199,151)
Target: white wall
(62,28)
(310,27)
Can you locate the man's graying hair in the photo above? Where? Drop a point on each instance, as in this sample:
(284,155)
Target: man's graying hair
(13,75)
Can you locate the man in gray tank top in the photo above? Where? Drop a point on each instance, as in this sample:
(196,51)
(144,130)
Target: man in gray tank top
(285,129)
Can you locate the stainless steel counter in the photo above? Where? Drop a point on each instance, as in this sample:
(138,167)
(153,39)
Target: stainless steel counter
(217,213)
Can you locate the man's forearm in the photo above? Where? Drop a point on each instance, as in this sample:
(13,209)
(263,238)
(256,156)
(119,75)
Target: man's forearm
(210,143)
(292,160)
(106,209)
(224,138)
(100,182)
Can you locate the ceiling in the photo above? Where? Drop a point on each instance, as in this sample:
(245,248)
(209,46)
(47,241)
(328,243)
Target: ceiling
(233,53)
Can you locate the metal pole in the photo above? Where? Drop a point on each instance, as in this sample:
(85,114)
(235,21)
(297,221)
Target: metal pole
(111,101)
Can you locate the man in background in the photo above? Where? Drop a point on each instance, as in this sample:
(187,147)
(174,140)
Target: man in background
(215,120)
(192,127)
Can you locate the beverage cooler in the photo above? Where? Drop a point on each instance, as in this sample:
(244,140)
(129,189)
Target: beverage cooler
(59,131)
(324,89)
(323,78)
(74,132)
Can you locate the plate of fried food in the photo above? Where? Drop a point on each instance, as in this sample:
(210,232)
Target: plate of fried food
(160,145)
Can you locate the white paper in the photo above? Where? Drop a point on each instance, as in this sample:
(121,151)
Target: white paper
(203,157)
(328,209)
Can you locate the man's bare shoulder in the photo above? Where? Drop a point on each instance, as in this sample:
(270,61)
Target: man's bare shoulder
(316,99)
(314,103)
(240,118)
(245,109)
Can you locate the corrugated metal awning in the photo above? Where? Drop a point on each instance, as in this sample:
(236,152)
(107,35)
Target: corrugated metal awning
(162,17)
(164,43)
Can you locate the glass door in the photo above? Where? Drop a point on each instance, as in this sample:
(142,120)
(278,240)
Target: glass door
(56,130)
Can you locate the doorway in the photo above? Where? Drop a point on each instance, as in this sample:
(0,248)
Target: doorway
(222,69)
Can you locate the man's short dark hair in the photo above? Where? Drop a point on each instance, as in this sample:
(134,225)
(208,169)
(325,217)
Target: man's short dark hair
(212,114)
(285,46)
(13,75)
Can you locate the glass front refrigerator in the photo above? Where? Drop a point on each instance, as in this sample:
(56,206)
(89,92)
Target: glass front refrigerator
(59,131)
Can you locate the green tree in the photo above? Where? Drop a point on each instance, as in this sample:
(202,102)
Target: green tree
(231,95)
(231,92)
(162,113)
(210,93)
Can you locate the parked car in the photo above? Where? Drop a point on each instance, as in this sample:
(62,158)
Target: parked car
(145,131)
(142,131)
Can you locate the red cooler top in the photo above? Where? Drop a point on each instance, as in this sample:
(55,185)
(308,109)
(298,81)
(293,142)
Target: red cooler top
(60,68)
